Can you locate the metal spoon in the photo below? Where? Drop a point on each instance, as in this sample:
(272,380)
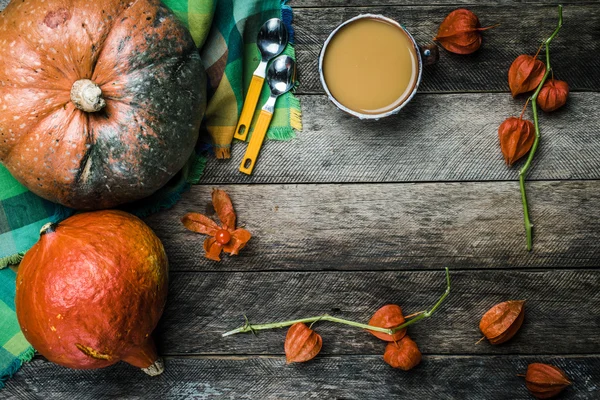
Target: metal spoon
(281,77)
(272,40)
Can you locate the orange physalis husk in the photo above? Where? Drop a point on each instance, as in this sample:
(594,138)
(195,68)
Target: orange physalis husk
(545,381)
(404,354)
(460,32)
(525,74)
(301,343)
(516,138)
(222,238)
(502,321)
(388,316)
(553,95)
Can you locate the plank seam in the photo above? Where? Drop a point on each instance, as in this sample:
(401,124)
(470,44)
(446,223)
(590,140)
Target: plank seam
(282,355)
(304,271)
(437,93)
(400,182)
(449,5)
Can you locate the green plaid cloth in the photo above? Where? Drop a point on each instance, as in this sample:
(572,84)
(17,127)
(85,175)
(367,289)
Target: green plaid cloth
(231,56)
(226,32)
(14,349)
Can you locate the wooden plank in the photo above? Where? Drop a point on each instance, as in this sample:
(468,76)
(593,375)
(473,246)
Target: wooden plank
(523,26)
(394,226)
(522,29)
(354,377)
(560,317)
(359,3)
(447,3)
(435,138)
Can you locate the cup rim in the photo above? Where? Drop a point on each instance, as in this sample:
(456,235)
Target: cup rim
(356,113)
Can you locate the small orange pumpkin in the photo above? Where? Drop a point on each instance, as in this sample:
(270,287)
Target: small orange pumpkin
(91,291)
(100,101)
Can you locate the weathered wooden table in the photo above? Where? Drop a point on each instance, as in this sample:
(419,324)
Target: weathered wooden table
(353,215)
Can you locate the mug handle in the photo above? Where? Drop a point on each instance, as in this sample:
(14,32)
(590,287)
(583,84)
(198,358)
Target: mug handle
(430,54)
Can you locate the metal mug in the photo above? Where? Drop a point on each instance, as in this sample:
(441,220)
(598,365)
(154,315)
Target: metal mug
(426,55)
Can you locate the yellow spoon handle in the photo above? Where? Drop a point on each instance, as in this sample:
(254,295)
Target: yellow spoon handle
(258,136)
(241,131)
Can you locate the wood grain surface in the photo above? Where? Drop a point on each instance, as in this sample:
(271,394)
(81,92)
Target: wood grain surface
(560,313)
(297,4)
(452,137)
(353,215)
(351,377)
(394,226)
(522,29)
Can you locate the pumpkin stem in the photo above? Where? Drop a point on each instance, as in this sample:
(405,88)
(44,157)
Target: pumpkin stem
(87,96)
(157,368)
(145,357)
(48,228)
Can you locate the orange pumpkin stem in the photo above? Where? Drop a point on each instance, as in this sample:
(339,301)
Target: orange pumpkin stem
(87,96)
(48,228)
(146,358)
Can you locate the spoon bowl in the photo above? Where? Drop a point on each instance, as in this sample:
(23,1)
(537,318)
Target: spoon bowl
(272,39)
(281,75)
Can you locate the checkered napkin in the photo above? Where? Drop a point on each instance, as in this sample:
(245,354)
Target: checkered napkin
(226,32)
(231,56)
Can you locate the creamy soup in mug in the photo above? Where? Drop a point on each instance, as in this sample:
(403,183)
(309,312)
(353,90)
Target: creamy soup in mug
(371,66)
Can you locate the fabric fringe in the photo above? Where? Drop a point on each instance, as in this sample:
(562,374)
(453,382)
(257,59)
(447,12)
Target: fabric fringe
(222,152)
(295,113)
(11,260)
(282,133)
(11,369)
(27,355)
(15,364)
(197,170)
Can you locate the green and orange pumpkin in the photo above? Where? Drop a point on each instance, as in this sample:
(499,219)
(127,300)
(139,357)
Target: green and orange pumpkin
(100,101)
(91,291)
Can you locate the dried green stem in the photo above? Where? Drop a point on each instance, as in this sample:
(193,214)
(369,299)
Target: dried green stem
(525,169)
(247,327)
